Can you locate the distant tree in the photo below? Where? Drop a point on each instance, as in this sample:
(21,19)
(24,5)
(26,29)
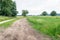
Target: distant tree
(24,12)
(44,13)
(53,13)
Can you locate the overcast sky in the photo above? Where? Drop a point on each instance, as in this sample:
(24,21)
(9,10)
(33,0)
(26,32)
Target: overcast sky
(36,7)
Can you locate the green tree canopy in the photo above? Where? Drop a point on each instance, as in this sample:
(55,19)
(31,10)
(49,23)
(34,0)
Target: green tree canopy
(24,12)
(14,12)
(53,13)
(8,8)
(44,13)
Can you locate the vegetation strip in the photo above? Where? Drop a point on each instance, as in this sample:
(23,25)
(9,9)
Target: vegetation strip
(8,24)
(6,21)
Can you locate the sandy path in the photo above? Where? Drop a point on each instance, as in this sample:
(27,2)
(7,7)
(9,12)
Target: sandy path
(21,30)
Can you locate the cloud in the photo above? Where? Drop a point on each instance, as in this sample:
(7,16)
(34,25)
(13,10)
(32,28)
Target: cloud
(38,6)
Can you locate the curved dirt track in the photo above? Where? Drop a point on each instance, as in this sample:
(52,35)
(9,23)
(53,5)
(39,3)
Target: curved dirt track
(21,30)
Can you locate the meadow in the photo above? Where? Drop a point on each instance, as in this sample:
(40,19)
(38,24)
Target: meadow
(48,25)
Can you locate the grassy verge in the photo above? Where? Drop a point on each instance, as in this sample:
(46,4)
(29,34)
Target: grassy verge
(46,25)
(3,18)
(7,24)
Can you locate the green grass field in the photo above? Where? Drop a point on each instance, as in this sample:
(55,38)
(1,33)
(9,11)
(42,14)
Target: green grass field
(49,25)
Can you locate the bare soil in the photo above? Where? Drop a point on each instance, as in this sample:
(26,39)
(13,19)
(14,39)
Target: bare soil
(21,30)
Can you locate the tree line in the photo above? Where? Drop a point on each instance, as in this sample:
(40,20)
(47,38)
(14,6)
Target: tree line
(44,13)
(8,8)
(53,13)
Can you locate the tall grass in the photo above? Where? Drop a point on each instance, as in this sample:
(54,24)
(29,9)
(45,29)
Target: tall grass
(3,18)
(46,25)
